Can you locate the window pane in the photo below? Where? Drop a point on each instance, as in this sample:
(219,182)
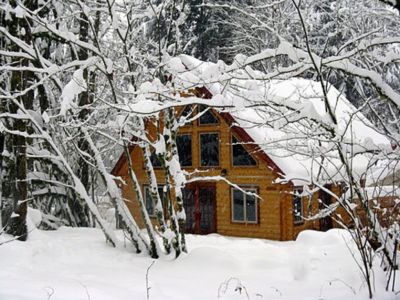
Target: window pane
(238,209)
(206,199)
(150,205)
(162,198)
(208,117)
(154,160)
(240,155)
(209,149)
(189,204)
(161,193)
(149,202)
(251,210)
(297,208)
(184,144)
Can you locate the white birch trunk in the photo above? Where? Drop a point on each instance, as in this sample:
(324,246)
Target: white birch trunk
(153,247)
(115,195)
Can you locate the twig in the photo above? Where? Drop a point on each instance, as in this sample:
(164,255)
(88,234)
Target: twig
(86,290)
(336,280)
(147,280)
(239,287)
(49,291)
(16,237)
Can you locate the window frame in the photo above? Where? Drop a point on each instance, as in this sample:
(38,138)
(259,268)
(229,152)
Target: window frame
(231,149)
(297,220)
(145,188)
(212,112)
(219,149)
(191,147)
(252,189)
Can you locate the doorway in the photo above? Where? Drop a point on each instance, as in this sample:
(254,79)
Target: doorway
(199,204)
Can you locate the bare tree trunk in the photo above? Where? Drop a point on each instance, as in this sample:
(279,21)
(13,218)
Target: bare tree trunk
(20,80)
(1,183)
(128,223)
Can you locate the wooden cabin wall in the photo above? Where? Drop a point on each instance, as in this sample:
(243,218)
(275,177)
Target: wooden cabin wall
(314,207)
(338,190)
(275,216)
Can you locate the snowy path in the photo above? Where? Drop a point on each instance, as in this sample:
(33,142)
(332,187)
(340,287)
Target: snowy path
(74,264)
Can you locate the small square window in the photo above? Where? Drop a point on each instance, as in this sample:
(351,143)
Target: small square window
(244,206)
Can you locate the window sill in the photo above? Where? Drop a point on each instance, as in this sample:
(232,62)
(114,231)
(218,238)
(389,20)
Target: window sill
(209,167)
(244,166)
(186,167)
(245,222)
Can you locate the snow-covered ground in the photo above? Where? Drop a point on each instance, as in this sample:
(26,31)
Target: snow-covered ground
(76,263)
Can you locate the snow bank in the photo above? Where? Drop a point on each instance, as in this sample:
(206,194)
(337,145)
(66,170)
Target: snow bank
(77,264)
(34,216)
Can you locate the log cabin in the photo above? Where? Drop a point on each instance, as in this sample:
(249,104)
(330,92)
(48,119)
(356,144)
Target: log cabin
(223,143)
(213,144)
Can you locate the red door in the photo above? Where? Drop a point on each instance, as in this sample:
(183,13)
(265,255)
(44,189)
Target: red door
(199,204)
(189,205)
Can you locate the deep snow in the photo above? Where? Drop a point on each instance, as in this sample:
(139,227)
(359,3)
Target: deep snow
(76,263)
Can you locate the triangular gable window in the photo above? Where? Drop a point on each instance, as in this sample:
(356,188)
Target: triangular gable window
(208,117)
(240,156)
(187,112)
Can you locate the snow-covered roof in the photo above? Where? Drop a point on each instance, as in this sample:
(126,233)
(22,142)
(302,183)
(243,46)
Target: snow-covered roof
(252,102)
(380,192)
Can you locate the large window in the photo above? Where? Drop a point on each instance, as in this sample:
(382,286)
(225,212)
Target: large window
(297,207)
(244,206)
(209,149)
(150,205)
(240,156)
(184,144)
(207,117)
